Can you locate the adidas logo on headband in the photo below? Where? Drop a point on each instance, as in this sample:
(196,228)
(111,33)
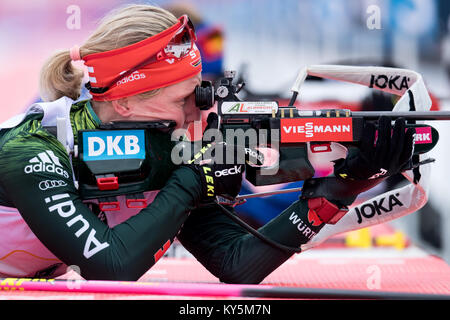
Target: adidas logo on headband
(132,77)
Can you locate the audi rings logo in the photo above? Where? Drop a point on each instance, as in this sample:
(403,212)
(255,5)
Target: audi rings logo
(49,184)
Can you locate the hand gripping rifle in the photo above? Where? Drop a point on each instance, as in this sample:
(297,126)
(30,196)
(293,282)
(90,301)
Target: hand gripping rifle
(303,139)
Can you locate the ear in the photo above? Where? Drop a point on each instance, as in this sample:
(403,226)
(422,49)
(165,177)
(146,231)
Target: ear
(121,106)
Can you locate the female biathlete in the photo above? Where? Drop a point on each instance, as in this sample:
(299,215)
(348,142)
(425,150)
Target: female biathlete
(143,65)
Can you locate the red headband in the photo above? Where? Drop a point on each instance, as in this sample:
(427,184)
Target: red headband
(143,66)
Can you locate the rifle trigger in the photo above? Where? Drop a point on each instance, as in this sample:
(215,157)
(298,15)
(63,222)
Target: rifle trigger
(229,202)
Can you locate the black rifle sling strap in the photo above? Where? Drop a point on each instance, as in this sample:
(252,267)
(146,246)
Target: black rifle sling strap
(415,158)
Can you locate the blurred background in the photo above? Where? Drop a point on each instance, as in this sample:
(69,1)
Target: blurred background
(267,42)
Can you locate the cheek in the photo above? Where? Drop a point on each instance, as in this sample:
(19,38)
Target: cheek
(175,114)
(191,111)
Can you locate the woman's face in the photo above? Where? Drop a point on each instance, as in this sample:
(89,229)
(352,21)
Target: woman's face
(175,102)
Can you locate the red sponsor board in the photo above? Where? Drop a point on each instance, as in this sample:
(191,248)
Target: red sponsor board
(316,129)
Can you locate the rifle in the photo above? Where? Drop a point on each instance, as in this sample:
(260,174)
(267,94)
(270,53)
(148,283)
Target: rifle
(304,137)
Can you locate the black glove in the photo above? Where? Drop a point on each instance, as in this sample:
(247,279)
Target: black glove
(385,158)
(217,165)
(217,179)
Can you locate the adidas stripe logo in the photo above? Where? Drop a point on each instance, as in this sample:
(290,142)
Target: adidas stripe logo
(46,157)
(46,162)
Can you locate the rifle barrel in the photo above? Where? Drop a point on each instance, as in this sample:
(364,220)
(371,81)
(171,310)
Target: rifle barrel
(409,115)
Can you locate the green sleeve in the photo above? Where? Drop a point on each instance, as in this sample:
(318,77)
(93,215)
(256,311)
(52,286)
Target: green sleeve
(234,255)
(66,226)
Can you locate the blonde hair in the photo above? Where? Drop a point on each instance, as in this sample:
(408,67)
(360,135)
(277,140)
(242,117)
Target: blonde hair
(119,28)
